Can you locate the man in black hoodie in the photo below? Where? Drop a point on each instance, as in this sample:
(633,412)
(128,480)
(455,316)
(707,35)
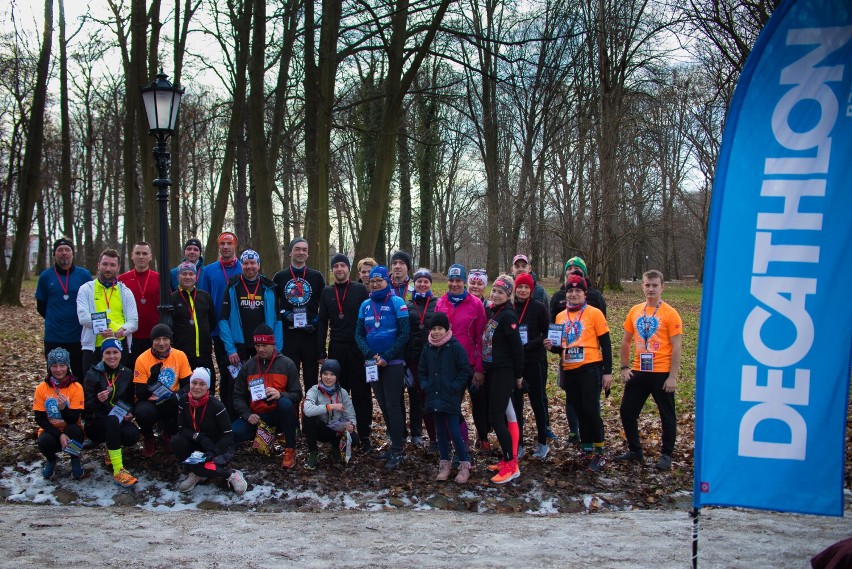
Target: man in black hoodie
(337,317)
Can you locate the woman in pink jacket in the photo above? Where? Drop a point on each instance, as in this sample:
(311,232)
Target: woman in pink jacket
(467,320)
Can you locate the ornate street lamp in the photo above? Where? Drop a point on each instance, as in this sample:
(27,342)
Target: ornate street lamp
(162,101)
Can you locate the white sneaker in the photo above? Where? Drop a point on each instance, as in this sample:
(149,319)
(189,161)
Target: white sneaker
(541,451)
(189,482)
(237,482)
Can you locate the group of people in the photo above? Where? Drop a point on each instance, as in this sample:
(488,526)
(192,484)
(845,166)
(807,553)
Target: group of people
(383,336)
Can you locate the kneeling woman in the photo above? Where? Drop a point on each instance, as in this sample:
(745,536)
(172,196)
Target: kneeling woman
(108,389)
(586,365)
(503,358)
(204,426)
(57,404)
(328,415)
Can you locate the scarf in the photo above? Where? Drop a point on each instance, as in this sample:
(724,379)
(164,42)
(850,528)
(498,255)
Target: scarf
(61,384)
(455,299)
(228,264)
(575,307)
(380,295)
(447,337)
(196,403)
(422,295)
(329,391)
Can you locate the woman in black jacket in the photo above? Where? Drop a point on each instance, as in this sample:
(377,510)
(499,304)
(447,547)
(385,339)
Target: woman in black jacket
(204,427)
(108,389)
(421,307)
(503,359)
(533,323)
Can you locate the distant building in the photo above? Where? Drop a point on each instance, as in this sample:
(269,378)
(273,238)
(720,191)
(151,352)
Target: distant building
(33,251)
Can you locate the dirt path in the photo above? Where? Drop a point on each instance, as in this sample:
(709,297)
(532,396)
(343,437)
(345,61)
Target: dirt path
(42,536)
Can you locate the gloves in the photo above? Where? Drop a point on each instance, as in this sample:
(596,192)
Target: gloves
(154,373)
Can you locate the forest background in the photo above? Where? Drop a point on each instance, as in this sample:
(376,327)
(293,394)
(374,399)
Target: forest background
(462,131)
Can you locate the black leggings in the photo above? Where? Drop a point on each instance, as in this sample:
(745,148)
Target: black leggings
(535,374)
(583,391)
(501,383)
(479,399)
(49,445)
(107,430)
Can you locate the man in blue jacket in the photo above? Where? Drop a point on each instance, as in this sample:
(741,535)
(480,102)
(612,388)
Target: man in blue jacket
(250,300)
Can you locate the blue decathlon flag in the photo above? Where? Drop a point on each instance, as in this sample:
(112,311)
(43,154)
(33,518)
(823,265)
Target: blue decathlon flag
(776,318)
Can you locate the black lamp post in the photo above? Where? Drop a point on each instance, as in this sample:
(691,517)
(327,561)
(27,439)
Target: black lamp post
(162,101)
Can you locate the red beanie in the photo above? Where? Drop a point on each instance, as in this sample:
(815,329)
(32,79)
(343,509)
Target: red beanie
(524,278)
(576,281)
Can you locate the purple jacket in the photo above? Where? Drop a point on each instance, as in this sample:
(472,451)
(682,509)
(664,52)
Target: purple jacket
(467,321)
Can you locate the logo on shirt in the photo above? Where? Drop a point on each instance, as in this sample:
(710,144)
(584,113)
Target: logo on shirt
(167,377)
(647,326)
(297,291)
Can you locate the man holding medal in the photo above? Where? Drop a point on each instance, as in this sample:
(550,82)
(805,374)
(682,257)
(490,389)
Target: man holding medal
(338,315)
(657,330)
(56,302)
(194,320)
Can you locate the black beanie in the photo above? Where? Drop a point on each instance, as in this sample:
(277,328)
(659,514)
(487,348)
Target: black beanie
(341,258)
(193,241)
(293,243)
(439,319)
(160,330)
(402,256)
(62,241)
(331,365)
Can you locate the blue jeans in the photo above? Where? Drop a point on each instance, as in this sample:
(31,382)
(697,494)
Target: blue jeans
(446,427)
(283,418)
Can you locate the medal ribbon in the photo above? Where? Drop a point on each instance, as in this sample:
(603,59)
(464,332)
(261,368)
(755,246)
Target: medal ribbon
(67,278)
(337,295)
(191,307)
(425,310)
(572,326)
(251,295)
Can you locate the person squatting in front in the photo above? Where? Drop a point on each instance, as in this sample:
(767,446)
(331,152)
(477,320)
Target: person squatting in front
(586,352)
(382,334)
(503,358)
(267,389)
(328,415)
(161,374)
(443,373)
(204,427)
(109,392)
(57,405)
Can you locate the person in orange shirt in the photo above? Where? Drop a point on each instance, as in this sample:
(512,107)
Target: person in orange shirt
(161,373)
(57,405)
(655,330)
(586,365)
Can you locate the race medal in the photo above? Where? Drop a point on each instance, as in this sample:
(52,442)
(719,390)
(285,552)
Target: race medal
(340,316)
(64,297)
(377,324)
(143,300)
(191,322)
(421,326)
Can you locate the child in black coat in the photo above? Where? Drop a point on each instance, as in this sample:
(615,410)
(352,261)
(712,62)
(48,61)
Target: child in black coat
(444,372)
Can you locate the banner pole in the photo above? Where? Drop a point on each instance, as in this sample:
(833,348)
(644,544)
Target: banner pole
(694,513)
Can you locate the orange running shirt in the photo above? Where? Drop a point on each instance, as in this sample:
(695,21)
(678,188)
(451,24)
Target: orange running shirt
(175,367)
(652,333)
(580,345)
(45,391)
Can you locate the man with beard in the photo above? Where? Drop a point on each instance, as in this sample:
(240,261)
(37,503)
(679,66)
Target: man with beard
(145,286)
(105,309)
(191,254)
(56,302)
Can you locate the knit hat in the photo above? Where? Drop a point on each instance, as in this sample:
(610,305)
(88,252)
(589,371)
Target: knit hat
(576,281)
(504,284)
(59,356)
(423,273)
(439,319)
(62,241)
(228,236)
(457,271)
(478,274)
(160,330)
(341,258)
(380,271)
(187,266)
(331,365)
(294,242)
(249,255)
(111,343)
(192,241)
(523,258)
(526,279)
(263,334)
(402,256)
(201,373)
(576,262)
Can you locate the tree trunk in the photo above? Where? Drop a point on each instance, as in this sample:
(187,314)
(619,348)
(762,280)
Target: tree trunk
(31,173)
(405,242)
(65,174)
